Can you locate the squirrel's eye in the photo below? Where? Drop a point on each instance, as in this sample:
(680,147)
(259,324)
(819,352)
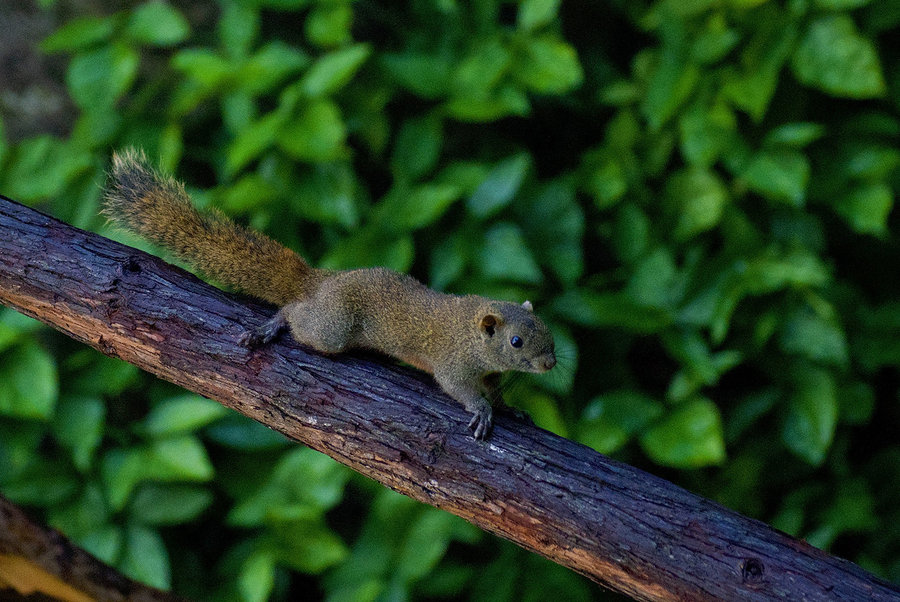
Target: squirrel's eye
(516,341)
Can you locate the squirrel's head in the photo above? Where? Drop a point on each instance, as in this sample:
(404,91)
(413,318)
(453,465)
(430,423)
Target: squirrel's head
(515,338)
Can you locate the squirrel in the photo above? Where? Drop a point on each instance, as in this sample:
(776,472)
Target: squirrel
(464,341)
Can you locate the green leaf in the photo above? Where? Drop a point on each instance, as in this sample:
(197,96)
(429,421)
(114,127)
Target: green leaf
(94,129)
(654,281)
(418,147)
(304,482)
(4,144)
(105,543)
(327,194)
(78,425)
(238,28)
(79,34)
(169,460)
(554,224)
(270,66)
(672,80)
(481,69)
(19,441)
(98,78)
(611,419)
(182,458)
(254,139)
(505,256)
(157,23)
(144,557)
(425,75)
(332,71)
(250,193)
(749,411)
(257,577)
(489,106)
(499,187)
(309,546)
(688,437)
(329,24)
(83,515)
(834,58)
(371,247)
(155,504)
(468,175)
(589,308)
(779,175)
(239,432)
(182,414)
(548,66)
(203,66)
(316,134)
(606,179)
(769,273)
(448,261)
(815,337)
(542,409)
(534,14)
(29,383)
(699,197)
(866,207)
(100,375)
(425,544)
(762,59)
(407,209)
(812,415)
(44,484)
(840,4)
(41,167)
(797,134)
(706,132)
(715,41)
(14,327)
(631,232)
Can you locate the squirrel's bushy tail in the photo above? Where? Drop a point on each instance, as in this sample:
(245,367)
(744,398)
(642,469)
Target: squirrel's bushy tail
(159,209)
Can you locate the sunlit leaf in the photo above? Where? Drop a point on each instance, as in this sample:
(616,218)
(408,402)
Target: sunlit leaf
(833,57)
(689,436)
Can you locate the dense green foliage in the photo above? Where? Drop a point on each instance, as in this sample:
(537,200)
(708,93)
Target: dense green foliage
(696,194)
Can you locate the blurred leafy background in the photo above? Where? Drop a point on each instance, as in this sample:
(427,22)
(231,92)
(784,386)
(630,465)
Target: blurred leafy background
(697,194)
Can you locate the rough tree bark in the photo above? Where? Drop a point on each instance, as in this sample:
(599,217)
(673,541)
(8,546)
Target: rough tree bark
(619,526)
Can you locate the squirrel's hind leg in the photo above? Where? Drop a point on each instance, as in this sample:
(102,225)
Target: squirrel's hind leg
(265,333)
(320,325)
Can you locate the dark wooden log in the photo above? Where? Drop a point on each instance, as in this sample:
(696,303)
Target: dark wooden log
(48,563)
(619,526)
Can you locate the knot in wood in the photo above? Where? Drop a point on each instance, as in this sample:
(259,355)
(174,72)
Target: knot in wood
(752,570)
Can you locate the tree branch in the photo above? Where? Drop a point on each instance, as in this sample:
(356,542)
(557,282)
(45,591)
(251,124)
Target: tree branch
(36,559)
(619,526)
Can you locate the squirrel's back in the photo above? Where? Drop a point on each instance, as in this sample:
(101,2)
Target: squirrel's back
(159,209)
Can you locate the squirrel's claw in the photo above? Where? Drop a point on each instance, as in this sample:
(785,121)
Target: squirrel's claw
(481,423)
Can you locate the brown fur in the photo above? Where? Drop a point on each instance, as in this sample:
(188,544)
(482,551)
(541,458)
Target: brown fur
(462,340)
(159,209)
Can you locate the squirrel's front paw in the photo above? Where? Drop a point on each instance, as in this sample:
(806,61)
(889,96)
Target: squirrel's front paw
(482,421)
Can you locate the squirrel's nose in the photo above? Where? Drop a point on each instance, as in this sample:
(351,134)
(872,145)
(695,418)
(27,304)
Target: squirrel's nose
(548,362)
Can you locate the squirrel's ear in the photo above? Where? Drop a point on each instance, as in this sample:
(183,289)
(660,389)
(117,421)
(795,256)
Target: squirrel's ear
(528,306)
(488,324)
